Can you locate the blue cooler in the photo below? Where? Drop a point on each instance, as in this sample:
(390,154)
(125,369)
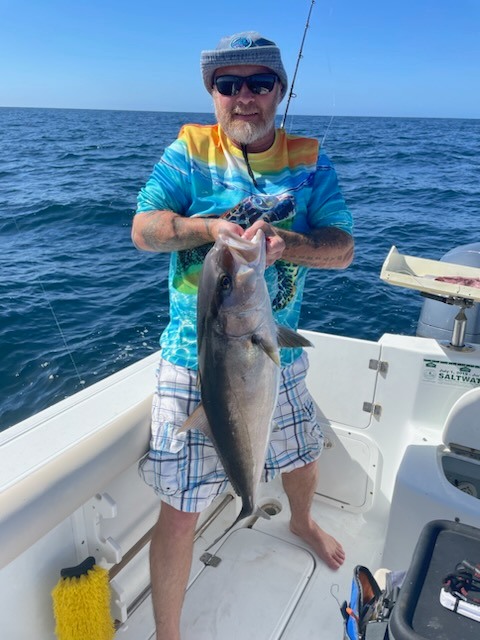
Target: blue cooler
(418,613)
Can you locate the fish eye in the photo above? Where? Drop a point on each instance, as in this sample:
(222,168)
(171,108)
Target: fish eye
(225,282)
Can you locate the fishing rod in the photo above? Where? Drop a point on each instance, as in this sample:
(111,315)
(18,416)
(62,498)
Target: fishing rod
(291,94)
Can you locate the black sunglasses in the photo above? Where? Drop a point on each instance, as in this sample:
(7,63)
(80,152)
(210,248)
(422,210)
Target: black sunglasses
(258,83)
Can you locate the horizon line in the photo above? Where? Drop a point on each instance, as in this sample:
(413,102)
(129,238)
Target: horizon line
(208,113)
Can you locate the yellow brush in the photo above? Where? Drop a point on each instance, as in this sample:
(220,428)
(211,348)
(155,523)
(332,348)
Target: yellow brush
(81,603)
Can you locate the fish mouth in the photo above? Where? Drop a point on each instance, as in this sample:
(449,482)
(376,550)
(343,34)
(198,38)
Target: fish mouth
(237,263)
(242,259)
(244,274)
(247,253)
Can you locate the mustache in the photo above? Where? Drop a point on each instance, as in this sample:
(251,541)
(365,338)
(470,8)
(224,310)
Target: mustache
(241,112)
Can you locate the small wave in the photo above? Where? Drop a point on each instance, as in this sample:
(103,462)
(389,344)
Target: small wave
(65,221)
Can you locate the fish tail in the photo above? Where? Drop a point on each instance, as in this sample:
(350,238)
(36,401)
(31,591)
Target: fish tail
(244,513)
(260,513)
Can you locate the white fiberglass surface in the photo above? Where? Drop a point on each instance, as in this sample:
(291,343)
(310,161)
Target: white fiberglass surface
(312,593)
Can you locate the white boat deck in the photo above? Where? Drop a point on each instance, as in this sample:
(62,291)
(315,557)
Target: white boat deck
(269,585)
(401,415)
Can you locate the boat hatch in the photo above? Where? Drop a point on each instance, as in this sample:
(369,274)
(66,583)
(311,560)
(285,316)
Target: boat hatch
(353,490)
(218,608)
(330,375)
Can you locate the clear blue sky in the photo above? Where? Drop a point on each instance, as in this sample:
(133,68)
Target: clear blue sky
(370,57)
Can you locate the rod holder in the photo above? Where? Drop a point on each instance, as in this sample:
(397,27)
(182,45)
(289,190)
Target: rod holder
(459,329)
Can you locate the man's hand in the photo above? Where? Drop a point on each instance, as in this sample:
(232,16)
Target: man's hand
(219,225)
(275,245)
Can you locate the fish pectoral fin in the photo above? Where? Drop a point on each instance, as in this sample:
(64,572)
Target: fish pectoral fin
(289,338)
(268,347)
(197,420)
(198,383)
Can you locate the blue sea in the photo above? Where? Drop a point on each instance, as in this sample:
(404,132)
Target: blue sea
(77,300)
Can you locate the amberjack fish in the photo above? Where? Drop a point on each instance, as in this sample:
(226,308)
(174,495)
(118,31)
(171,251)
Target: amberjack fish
(238,361)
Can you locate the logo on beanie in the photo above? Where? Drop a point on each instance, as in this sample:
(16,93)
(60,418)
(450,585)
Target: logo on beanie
(242,42)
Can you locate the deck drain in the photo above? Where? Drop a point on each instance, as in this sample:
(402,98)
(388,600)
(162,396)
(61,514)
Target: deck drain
(272,508)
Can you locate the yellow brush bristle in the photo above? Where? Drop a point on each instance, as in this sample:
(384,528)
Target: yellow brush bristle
(82,607)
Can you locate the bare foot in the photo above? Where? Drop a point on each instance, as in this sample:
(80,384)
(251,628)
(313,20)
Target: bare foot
(324,545)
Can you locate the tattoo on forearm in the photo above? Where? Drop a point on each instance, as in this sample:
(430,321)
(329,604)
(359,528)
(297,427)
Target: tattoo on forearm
(151,232)
(174,232)
(323,248)
(325,261)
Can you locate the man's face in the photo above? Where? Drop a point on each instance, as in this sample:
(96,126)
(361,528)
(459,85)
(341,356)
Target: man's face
(247,118)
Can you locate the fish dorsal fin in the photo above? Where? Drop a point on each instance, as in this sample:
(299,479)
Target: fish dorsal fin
(267,346)
(197,420)
(289,338)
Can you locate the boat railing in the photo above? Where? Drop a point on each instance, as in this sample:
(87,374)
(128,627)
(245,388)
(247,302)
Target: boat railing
(55,461)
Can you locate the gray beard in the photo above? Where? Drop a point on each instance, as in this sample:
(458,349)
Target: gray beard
(245,132)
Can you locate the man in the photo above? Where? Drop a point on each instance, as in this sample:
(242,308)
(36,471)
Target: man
(240,174)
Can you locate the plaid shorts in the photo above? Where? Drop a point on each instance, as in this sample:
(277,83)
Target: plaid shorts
(184,469)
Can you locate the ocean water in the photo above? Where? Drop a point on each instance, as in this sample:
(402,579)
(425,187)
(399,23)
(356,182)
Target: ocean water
(77,300)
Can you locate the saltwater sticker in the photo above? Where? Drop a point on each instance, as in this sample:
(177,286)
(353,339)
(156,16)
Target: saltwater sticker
(453,373)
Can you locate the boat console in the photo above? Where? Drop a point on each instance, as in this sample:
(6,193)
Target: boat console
(439,479)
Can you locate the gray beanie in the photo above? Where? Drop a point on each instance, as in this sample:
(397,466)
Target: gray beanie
(248,47)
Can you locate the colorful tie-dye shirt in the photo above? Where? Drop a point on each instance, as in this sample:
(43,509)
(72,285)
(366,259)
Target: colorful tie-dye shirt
(203,174)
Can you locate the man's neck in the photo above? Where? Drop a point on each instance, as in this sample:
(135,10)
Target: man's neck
(259,145)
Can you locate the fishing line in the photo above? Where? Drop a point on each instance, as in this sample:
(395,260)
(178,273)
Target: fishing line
(330,75)
(326,131)
(49,304)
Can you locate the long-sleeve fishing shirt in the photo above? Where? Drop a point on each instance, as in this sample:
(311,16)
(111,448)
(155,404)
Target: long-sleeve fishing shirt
(203,174)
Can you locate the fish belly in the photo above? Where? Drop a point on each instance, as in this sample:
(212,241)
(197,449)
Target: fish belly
(239,401)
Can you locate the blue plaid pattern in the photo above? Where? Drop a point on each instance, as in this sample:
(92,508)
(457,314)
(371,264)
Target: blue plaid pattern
(184,469)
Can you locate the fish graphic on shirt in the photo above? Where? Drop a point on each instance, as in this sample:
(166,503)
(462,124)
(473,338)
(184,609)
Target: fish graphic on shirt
(277,210)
